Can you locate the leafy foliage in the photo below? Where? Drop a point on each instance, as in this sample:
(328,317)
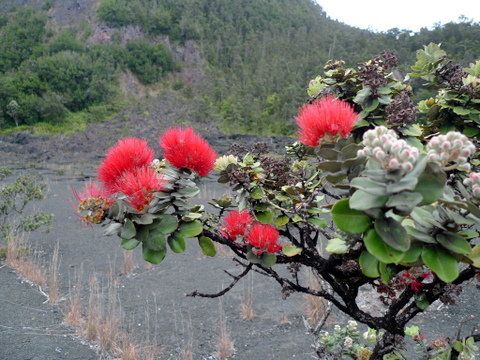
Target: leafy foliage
(261,53)
(149,62)
(45,75)
(16,196)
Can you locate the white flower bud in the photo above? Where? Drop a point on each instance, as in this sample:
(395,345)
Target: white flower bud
(393,164)
(451,151)
(408,167)
(348,343)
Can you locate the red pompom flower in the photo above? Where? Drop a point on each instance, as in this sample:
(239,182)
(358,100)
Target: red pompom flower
(126,155)
(236,223)
(264,237)
(139,185)
(184,148)
(327,116)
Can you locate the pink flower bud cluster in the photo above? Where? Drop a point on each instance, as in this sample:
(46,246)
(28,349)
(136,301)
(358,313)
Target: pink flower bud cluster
(451,151)
(384,146)
(473,181)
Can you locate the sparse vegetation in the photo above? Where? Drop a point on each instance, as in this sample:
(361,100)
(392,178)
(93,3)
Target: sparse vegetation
(224,344)
(25,261)
(16,213)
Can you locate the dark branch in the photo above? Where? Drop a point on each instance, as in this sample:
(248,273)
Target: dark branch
(227,289)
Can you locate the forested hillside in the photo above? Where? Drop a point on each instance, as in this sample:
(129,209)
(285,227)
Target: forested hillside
(259,55)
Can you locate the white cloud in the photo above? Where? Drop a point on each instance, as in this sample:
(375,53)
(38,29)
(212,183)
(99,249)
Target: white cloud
(404,14)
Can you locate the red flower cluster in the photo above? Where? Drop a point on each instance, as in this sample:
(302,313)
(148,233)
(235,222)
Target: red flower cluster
(264,237)
(127,154)
(327,116)
(138,185)
(184,148)
(236,223)
(126,169)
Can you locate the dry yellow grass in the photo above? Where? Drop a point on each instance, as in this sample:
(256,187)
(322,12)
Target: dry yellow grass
(52,277)
(24,261)
(73,311)
(246,306)
(128,262)
(224,345)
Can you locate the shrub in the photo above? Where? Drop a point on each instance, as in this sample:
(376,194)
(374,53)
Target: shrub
(21,37)
(395,204)
(16,214)
(65,41)
(149,62)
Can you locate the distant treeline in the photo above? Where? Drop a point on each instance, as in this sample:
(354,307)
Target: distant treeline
(260,56)
(262,53)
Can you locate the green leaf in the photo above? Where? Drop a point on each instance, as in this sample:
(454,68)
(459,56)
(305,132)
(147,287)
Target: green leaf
(362,95)
(471,131)
(265,217)
(336,246)
(404,201)
(372,105)
(454,242)
(316,86)
(318,222)
(386,272)
(461,110)
(412,255)
(475,256)
(257,193)
(458,346)
(128,230)
(421,301)
(431,184)
(393,233)
(130,244)
(282,220)
(177,243)
(412,130)
(328,153)
(268,260)
(412,331)
(369,264)
(156,240)
(362,200)
(349,220)
(145,219)
(382,251)
(330,166)
(207,246)
(420,235)
(167,224)
(291,250)
(153,256)
(444,265)
(369,186)
(191,229)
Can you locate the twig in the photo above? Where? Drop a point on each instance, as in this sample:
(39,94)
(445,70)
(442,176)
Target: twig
(227,289)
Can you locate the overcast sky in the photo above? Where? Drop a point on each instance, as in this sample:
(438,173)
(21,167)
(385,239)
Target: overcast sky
(382,15)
